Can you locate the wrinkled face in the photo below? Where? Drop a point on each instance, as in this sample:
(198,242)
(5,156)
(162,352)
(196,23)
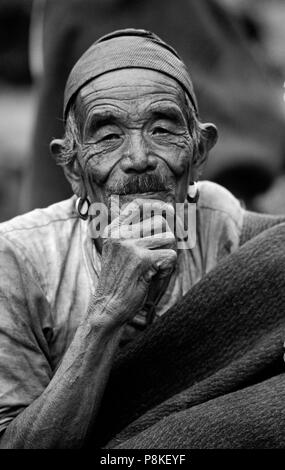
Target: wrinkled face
(137,140)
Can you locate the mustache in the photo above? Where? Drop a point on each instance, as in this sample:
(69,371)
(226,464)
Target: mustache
(144,183)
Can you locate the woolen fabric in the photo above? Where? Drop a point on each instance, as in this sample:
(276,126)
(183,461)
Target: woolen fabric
(210,373)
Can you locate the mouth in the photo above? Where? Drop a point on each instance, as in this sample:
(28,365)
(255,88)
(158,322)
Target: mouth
(143,186)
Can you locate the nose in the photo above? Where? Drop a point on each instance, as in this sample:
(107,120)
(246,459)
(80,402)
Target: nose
(138,158)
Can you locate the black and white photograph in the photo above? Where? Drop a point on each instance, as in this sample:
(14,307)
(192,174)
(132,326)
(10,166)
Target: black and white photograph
(142,228)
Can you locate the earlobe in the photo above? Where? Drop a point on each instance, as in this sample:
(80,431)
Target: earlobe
(55,147)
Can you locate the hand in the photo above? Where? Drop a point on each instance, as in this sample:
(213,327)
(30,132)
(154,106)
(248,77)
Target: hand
(131,258)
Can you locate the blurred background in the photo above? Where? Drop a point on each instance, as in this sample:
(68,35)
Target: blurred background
(235,52)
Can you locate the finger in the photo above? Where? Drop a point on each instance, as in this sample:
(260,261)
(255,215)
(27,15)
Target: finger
(153,207)
(155,225)
(164,260)
(139,321)
(140,210)
(147,208)
(129,216)
(166,239)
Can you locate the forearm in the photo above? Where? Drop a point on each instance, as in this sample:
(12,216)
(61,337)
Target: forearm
(62,415)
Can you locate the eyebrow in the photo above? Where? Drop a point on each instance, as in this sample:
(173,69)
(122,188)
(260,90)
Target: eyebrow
(175,113)
(99,119)
(167,112)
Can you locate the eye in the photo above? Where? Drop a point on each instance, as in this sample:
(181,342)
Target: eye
(111,136)
(160,130)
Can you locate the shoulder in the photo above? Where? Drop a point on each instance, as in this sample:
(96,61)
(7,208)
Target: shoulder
(38,219)
(220,219)
(41,238)
(217,198)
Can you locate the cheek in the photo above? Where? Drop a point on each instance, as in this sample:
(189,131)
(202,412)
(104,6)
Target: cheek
(177,154)
(96,166)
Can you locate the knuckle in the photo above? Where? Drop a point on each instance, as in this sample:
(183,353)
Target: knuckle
(173,255)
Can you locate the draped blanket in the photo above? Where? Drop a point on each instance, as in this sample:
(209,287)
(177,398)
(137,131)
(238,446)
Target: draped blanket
(210,373)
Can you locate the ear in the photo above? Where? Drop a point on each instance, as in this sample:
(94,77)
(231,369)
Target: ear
(72,171)
(56,147)
(208,138)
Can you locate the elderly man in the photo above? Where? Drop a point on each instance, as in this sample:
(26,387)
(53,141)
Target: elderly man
(70,300)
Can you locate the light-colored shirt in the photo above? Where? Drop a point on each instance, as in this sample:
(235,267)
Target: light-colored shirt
(50,268)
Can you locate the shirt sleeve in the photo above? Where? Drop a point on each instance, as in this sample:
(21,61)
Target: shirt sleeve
(25,369)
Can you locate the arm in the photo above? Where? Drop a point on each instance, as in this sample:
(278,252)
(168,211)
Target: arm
(61,416)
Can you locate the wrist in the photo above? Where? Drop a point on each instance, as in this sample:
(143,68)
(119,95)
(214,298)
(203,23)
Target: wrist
(103,314)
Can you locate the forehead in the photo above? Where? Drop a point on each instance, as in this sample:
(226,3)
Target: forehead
(128,87)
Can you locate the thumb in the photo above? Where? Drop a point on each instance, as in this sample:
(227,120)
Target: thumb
(164,261)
